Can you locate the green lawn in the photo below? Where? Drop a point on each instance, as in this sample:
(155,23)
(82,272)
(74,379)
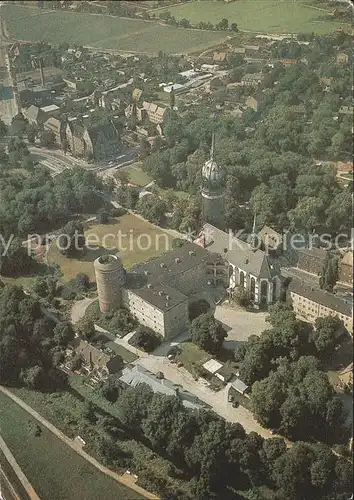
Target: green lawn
(138,241)
(54,470)
(271,16)
(101,31)
(192,356)
(137,175)
(64,410)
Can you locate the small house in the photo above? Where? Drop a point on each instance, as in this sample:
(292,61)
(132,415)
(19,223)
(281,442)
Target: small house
(237,387)
(342,58)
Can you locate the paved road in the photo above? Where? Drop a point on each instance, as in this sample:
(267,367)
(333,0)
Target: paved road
(125,480)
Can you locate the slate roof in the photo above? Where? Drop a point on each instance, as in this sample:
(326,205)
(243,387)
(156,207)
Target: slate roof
(137,375)
(161,296)
(173,263)
(239,253)
(98,358)
(322,297)
(53,124)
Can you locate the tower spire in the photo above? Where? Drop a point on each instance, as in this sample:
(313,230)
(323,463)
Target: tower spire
(212,146)
(254,237)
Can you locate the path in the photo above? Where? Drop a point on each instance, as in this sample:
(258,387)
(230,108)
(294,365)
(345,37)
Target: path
(18,471)
(125,480)
(79,308)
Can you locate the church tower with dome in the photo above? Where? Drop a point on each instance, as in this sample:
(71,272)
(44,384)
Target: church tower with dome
(212,191)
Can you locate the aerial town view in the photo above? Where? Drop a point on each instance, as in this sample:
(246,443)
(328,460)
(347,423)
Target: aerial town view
(176,250)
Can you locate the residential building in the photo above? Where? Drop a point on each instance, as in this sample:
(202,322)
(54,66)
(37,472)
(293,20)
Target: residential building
(137,375)
(311,260)
(95,360)
(137,93)
(92,140)
(252,102)
(252,79)
(220,57)
(310,302)
(38,116)
(56,126)
(346,110)
(342,58)
(346,269)
(152,112)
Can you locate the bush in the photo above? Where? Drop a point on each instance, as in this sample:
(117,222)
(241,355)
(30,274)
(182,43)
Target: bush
(67,293)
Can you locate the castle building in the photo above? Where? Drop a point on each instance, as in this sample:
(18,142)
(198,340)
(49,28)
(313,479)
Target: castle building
(158,292)
(212,191)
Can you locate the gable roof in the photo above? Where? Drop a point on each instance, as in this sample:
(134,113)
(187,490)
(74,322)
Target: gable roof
(321,297)
(239,253)
(137,93)
(137,375)
(54,125)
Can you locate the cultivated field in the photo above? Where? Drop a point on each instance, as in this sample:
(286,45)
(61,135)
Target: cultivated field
(55,471)
(100,31)
(270,16)
(132,245)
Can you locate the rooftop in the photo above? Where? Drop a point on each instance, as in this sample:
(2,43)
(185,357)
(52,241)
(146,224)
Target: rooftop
(239,253)
(322,297)
(173,263)
(50,108)
(161,296)
(137,375)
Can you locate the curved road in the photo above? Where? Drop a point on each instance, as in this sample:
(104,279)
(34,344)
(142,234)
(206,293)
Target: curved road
(125,480)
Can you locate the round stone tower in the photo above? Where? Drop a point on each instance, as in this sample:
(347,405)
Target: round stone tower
(212,192)
(110,277)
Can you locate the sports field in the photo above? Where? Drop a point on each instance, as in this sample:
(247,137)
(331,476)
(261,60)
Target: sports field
(131,238)
(26,23)
(269,16)
(54,470)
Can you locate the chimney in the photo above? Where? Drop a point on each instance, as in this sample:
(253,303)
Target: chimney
(41,71)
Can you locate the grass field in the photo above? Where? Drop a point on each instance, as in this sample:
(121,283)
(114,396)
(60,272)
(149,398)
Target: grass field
(54,470)
(26,23)
(135,234)
(137,175)
(271,16)
(64,409)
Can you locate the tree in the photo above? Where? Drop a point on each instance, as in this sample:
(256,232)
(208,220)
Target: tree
(325,334)
(208,333)
(172,99)
(234,27)
(63,333)
(144,148)
(32,132)
(223,25)
(330,273)
(152,208)
(102,216)
(85,327)
(3,129)
(32,377)
(146,339)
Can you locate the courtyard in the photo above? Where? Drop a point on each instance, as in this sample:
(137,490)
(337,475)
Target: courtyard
(130,237)
(240,324)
